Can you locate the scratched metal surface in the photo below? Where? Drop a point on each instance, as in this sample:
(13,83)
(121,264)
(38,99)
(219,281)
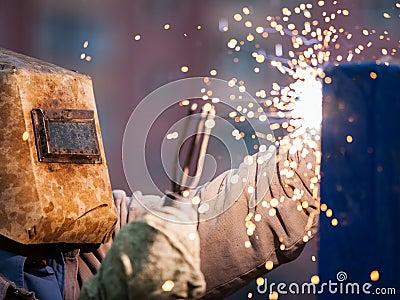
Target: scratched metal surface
(47,202)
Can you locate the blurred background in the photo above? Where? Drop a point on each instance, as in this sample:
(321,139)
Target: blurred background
(132,47)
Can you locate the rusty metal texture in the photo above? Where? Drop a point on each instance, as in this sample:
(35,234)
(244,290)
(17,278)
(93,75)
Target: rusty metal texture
(45,201)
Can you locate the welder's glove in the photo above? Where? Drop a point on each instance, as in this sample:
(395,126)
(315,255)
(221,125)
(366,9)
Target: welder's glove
(268,224)
(154,257)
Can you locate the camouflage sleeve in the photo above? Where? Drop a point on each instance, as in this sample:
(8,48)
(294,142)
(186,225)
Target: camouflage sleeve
(153,257)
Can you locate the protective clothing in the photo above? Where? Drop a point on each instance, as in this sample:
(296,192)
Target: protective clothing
(230,255)
(54,183)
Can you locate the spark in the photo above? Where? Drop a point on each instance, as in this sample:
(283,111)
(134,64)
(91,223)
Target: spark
(192,236)
(374,275)
(237,17)
(260,58)
(386,15)
(232,43)
(172,136)
(260,281)
(269,265)
(185,103)
(223,25)
(196,200)
(259,29)
(25,136)
(250,190)
(209,124)
(168,286)
(184,69)
(315,279)
(273,295)
(248,160)
(248,24)
(203,208)
(274,202)
(250,37)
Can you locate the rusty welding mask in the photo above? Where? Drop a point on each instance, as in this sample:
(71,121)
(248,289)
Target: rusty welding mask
(54,182)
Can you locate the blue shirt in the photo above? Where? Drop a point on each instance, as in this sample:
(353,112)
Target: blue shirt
(47,281)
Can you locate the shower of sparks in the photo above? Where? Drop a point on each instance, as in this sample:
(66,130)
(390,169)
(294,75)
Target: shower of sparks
(315,36)
(317,40)
(311,36)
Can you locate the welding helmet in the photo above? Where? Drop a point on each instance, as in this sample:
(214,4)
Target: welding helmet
(54,182)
